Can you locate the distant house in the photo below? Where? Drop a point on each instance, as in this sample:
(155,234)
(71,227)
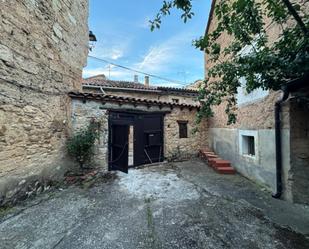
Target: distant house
(251,143)
(139,123)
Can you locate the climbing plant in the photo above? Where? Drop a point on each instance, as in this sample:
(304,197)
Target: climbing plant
(266,64)
(80,145)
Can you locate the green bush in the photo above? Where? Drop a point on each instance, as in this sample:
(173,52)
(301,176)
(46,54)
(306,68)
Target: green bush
(80,145)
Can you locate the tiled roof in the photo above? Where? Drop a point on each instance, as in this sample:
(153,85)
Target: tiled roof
(126,100)
(116,84)
(102,81)
(174,89)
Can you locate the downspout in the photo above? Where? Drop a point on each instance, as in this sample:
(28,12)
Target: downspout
(278,103)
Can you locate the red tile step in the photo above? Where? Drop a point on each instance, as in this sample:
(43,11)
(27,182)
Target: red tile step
(221,163)
(226,170)
(204,154)
(211,156)
(218,164)
(205,151)
(211,161)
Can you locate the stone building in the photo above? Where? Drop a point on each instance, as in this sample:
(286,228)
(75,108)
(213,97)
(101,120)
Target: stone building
(43,48)
(151,123)
(250,143)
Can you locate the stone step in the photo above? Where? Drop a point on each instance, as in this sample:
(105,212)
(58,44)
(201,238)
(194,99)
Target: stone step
(226,170)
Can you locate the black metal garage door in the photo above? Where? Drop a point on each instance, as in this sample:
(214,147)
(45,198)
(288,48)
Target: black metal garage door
(148,139)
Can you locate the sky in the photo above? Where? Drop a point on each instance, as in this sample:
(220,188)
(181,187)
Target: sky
(124,38)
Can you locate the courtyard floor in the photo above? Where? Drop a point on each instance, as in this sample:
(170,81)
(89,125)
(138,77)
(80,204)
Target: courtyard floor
(175,205)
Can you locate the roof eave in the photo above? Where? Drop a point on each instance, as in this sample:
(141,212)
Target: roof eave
(211,13)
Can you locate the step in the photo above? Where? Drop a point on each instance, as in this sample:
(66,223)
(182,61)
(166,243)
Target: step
(212,161)
(207,155)
(222,163)
(202,155)
(226,170)
(206,151)
(211,156)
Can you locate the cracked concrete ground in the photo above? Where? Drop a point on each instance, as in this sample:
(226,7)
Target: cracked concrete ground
(176,205)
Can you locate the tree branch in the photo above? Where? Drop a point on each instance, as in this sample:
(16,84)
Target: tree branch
(296,16)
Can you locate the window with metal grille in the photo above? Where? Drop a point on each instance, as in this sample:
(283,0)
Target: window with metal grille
(183,128)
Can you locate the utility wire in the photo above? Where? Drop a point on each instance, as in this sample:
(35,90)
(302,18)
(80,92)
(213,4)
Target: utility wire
(138,71)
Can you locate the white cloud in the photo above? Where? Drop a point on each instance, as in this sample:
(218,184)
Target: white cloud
(165,59)
(112,49)
(112,73)
(161,57)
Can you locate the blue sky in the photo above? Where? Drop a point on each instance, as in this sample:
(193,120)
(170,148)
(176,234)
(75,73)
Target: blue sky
(124,37)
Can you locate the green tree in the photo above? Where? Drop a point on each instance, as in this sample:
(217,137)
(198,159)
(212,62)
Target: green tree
(269,65)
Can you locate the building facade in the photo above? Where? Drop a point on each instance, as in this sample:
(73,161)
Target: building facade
(161,121)
(43,48)
(250,143)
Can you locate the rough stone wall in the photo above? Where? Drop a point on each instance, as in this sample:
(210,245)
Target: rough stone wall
(181,148)
(43,48)
(298,179)
(175,148)
(82,115)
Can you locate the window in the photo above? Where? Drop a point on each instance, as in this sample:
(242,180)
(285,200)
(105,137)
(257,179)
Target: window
(248,145)
(243,97)
(183,128)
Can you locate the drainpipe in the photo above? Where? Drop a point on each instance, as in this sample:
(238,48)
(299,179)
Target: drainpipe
(286,93)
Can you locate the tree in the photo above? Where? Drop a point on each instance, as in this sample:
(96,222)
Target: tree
(269,65)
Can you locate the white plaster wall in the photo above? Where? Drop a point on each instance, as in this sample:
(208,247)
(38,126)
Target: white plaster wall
(262,168)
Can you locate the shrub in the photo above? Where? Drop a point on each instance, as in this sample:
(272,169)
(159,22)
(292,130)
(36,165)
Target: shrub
(80,145)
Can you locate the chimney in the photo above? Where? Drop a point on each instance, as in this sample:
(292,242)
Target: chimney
(146,80)
(136,78)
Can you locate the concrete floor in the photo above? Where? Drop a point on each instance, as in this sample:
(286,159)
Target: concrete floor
(176,205)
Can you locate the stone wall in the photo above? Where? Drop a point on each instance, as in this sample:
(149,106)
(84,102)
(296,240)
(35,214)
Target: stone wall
(298,178)
(82,115)
(175,148)
(43,48)
(181,148)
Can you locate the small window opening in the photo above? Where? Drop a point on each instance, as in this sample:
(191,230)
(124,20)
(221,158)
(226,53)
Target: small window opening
(176,101)
(248,144)
(183,129)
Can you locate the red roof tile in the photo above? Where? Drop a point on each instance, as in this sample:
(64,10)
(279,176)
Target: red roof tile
(129,100)
(100,80)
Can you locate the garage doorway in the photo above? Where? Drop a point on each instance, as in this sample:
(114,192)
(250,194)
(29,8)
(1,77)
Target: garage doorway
(135,139)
